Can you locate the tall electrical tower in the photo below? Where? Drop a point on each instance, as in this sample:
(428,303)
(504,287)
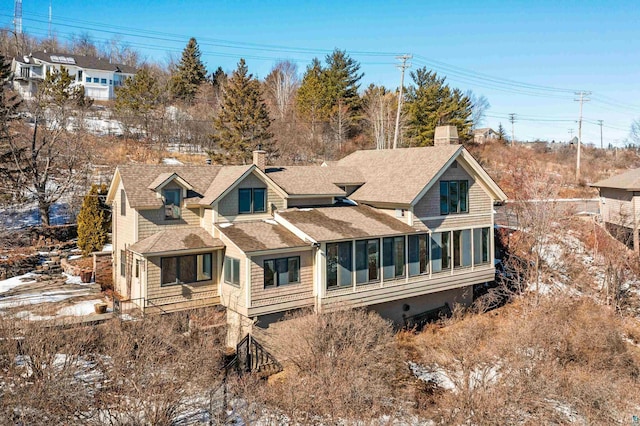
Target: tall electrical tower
(17,17)
(582,99)
(601,144)
(403,66)
(512,119)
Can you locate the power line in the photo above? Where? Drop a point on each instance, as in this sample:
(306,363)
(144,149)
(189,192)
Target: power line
(583,98)
(403,66)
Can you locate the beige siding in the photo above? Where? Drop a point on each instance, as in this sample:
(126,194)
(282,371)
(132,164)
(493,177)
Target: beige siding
(171,294)
(152,221)
(228,205)
(304,202)
(617,206)
(272,297)
(427,209)
(124,235)
(206,221)
(231,296)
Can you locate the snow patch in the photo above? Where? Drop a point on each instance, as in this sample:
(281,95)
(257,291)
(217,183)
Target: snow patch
(108,248)
(172,161)
(86,307)
(8,284)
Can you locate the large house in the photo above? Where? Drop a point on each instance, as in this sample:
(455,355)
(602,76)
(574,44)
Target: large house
(485,135)
(99,77)
(400,231)
(620,206)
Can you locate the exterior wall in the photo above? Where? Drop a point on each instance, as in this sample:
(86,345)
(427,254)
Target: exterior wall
(124,234)
(163,295)
(206,220)
(289,296)
(395,311)
(228,205)
(152,221)
(234,298)
(617,206)
(427,210)
(304,202)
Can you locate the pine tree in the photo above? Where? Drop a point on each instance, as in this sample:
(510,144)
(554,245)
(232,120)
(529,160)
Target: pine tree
(312,99)
(189,73)
(139,98)
(92,223)
(430,103)
(243,120)
(341,78)
(501,133)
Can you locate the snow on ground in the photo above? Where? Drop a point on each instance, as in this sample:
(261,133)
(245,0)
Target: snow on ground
(29,215)
(86,307)
(37,298)
(172,161)
(446,380)
(108,247)
(6,285)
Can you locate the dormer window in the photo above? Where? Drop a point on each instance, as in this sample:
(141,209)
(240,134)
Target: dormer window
(252,200)
(172,203)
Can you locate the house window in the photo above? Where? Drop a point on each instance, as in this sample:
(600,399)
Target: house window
(252,200)
(440,251)
(281,271)
(88,79)
(461,248)
(110,82)
(96,80)
(393,261)
(103,81)
(172,203)
(418,254)
(232,271)
(24,72)
(123,203)
(481,241)
(339,264)
(123,263)
(185,269)
(454,196)
(79,75)
(367,261)
(137,268)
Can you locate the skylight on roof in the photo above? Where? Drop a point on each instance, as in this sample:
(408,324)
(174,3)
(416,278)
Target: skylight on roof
(63,59)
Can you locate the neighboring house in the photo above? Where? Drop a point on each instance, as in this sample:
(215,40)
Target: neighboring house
(99,77)
(485,135)
(400,231)
(620,206)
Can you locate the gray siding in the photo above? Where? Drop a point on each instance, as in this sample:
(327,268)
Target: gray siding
(617,207)
(228,205)
(427,210)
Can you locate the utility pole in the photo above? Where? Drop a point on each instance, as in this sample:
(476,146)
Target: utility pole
(50,1)
(403,66)
(583,98)
(601,144)
(512,119)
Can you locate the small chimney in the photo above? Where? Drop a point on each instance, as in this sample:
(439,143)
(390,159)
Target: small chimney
(260,158)
(446,135)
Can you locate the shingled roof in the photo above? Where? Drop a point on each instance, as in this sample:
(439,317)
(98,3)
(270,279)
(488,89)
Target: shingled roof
(86,62)
(398,175)
(261,235)
(314,180)
(137,178)
(177,239)
(628,181)
(344,222)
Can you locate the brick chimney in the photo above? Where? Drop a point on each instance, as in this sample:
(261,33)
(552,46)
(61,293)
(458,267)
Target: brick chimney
(445,135)
(260,158)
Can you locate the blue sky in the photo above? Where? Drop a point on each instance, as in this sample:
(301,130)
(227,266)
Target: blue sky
(526,57)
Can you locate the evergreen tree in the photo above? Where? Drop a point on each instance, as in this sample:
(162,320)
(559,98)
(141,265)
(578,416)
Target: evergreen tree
(501,133)
(138,98)
(430,103)
(189,73)
(341,78)
(312,98)
(243,120)
(93,225)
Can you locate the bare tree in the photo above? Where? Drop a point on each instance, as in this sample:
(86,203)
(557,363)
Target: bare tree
(380,107)
(281,85)
(479,106)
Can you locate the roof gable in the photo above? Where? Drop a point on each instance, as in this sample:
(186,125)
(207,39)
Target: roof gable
(628,181)
(165,178)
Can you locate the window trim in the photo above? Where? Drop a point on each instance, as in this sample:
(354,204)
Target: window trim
(276,261)
(231,269)
(178,281)
(461,201)
(252,198)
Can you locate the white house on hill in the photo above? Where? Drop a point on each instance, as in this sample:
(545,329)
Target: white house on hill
(99,77)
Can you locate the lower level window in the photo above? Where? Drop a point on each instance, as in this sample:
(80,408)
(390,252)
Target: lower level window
(418,254)
(440,251)
(339,265)
(232,271)
(462,248)
(281,271)
(185,269)
(393,262)
(481,241)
